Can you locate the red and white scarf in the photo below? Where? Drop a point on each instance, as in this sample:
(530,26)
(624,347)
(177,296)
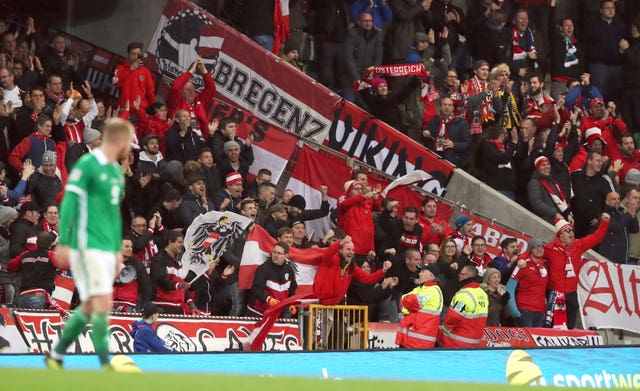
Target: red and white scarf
(398,70)
(557,196)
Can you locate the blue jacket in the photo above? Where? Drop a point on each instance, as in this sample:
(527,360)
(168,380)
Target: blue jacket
(145,338)
(13,196)
(380,12)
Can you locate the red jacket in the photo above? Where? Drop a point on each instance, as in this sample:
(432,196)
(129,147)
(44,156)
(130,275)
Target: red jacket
(610,127)
(138,82)
(433,237)
(558,256)
(175,101)
(147,125)
(356,219)
(333,279)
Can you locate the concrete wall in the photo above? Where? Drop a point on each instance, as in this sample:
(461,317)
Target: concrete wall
(464,189)
(477,196)
(113,25)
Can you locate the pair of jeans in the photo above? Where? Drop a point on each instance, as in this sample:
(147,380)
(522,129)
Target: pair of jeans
(264,40)
(530,319)
(35,301)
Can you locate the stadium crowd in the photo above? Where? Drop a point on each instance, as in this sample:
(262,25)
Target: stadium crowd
(545,114)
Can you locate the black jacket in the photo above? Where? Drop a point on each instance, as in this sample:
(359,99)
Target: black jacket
(498,166)
(182,148)
(558,53)
(385,107)
(43,188)
(22,230)
(631,65)
(615,244)
(397,237)
(588,201)
(458,132)
(37,271)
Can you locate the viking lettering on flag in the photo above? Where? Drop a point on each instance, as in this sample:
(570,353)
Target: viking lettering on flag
(257,248)
(208,238)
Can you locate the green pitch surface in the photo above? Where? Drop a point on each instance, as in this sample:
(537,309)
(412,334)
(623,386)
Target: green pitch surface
(23,379)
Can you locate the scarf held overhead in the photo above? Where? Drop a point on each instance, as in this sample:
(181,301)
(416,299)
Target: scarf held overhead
(397,70)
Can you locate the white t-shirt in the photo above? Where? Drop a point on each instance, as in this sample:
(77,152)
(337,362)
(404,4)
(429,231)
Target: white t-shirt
(13,96)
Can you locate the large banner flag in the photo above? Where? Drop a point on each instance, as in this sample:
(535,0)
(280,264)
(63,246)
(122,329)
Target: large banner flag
(495,233)
(208,238)
(272,147)
(609,296)
(248,76)
(259,246)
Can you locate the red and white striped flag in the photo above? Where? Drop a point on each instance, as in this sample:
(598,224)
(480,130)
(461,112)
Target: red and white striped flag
(260,244)
(63,292)
(280,24)
(101,59)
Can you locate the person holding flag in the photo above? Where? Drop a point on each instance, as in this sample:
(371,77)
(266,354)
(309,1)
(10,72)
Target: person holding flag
(93,193)
(274,281)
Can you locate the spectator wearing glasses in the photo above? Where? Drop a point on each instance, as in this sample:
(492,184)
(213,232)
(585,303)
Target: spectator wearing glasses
(274,281)
(479,257)
(564,260)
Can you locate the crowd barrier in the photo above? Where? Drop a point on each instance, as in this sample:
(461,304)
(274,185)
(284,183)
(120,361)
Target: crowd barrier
(337,327)
(31,331)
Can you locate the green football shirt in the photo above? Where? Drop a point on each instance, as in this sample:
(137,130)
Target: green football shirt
(90,210)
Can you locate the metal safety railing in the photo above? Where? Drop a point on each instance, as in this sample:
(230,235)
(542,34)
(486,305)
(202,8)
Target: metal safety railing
(337,327)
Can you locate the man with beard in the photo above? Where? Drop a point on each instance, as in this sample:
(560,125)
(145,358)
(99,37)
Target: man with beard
(615,244)
(251,188)
(627,159)
(506,261)
(234,160)
(222,132)
(229,198)
(266,198)
(150,160)
(590,187)
(195,202)
(297,205)
(448,135)
(605,119)
(167,207)
(434,229)
(535,97)
(211,173)
(278,218)
(132,289)
(564,260)
(403,233)
(46,184)
(362,49)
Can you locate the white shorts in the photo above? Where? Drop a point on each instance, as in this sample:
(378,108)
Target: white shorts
(93,272)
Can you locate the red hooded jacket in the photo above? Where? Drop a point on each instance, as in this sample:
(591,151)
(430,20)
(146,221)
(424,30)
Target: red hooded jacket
(558,257)
(175,101)
(333,278)
(355,217)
